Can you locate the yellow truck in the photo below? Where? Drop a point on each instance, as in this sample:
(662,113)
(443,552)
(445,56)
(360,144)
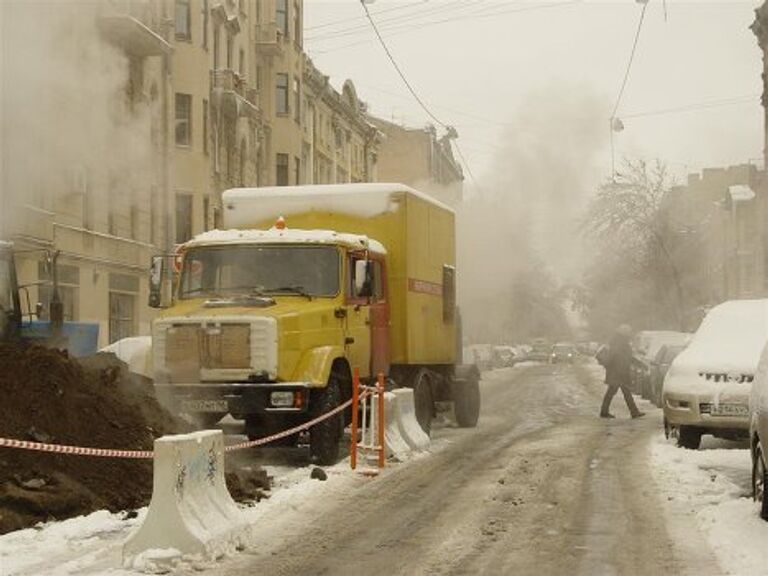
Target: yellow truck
(305,284)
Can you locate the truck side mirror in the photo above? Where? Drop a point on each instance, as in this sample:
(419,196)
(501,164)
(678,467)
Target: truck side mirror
(156,282)
(363,278)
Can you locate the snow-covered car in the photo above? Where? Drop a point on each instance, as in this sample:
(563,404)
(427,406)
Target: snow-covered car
(707,387)
(758,433)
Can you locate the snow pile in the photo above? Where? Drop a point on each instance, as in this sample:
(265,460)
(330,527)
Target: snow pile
(713,486)
(136,352)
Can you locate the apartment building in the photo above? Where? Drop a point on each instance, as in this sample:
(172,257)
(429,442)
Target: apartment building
(340,143)
(417,157)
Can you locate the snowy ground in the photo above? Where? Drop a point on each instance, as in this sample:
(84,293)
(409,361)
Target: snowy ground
(92,544)
(713,486)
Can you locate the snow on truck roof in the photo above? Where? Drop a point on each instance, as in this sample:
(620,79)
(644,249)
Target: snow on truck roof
(286,236)
(244,205)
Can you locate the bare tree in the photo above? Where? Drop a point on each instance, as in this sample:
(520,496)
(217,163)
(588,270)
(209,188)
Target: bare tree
(625,219)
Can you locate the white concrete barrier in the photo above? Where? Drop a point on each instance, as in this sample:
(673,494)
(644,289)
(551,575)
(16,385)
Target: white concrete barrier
(405,417)
(191,510)
(394,442)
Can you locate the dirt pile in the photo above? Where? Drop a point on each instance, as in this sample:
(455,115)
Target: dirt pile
(49,397)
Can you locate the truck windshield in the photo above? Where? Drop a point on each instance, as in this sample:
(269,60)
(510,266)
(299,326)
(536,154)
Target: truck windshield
(260,270)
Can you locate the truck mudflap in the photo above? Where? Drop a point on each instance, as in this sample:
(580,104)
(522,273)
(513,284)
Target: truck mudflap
(466,372)
(238,399)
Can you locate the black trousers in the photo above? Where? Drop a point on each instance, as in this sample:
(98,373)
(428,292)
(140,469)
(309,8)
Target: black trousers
(611,392)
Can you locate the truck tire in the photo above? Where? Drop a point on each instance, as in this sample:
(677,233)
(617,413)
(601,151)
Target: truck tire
(466,403)
(688,437)
(324,437)
(422,399)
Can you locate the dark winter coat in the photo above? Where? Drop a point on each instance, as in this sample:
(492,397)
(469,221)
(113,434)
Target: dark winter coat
(619,361)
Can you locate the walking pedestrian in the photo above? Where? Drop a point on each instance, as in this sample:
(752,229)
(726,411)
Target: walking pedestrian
(617,367)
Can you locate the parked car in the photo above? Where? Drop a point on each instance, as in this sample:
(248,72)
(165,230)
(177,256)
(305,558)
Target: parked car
(504,356)
(659,368)
(563,352)
(758,433)
(707,387)
(540,350)
(645,347)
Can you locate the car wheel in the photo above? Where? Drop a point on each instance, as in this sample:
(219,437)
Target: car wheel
(759,480)
(688,437)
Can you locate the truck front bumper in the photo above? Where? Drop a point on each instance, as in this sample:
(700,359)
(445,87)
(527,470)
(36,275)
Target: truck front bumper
(235,398)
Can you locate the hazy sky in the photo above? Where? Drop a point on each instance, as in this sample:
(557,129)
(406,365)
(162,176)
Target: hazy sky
(476,62)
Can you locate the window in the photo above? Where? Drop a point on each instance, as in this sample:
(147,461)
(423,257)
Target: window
(241,67)
(205,127)
(297,171)
(216,45)
(122,320)
(230,48)
(282,170)
(374,283)
(206,16)
(281,94)
(449,294)
(243,152)
(281,16)
(183,217)
(296,23)
(206,213)
(69,283)
(183,120)
(296,100)
(183,17)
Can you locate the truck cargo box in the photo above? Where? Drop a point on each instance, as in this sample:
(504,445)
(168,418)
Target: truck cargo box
(417,231)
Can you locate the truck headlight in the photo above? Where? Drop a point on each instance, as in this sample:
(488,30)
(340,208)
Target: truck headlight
(281,399)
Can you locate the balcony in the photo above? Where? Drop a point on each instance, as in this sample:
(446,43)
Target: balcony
(269,39)
(132,36)
(235,98)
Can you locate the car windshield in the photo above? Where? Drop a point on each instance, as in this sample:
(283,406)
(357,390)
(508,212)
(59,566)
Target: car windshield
(260,270)
(563,349)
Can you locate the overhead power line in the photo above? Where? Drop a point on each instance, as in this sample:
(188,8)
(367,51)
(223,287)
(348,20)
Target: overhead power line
(398,29)
(631,59)
(358,18)
(413,91)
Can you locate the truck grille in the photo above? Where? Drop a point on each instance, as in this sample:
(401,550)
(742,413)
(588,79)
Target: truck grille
(190,347)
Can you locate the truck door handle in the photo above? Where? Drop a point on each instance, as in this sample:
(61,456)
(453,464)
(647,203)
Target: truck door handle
(349,340)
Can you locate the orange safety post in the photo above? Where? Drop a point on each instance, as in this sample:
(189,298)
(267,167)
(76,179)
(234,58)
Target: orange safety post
(382,447)
(353,428)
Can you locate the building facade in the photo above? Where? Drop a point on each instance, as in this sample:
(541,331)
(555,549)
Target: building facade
(715,231)
(417,157)
(86,166)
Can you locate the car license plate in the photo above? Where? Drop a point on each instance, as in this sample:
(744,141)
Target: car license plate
(204,406)
(730,410)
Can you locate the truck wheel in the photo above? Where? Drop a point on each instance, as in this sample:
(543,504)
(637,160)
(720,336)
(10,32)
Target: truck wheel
(466,403)
(759,478)
(422,398)
(324,437)
(688,437)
